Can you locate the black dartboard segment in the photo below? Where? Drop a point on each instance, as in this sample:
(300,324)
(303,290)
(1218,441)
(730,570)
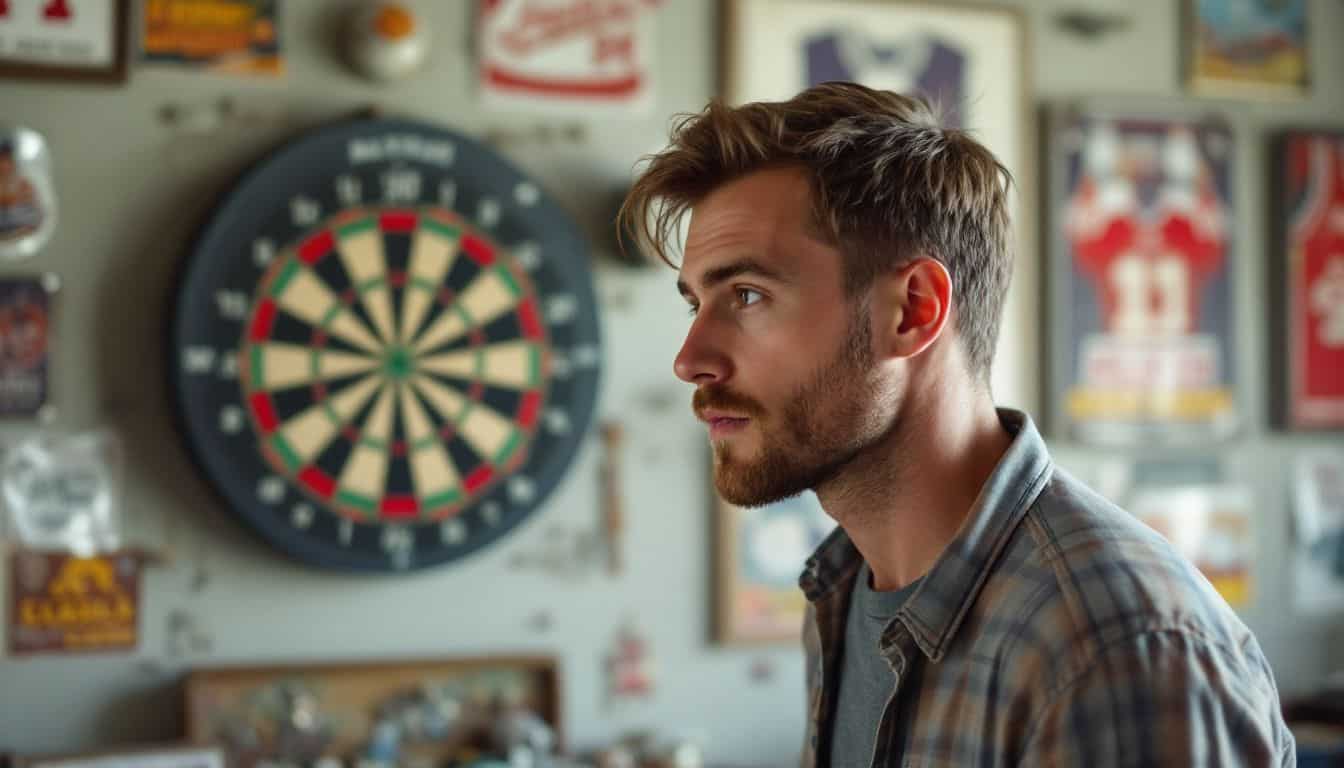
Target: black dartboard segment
(385,346)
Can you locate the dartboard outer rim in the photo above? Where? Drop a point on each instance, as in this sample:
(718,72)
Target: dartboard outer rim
(269,526)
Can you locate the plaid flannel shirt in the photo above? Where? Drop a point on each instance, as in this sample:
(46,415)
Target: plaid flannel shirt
(1055,629)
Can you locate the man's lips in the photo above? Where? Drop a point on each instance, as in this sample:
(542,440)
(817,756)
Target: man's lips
(722,423)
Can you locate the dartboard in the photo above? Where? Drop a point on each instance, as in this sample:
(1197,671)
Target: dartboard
(385,346)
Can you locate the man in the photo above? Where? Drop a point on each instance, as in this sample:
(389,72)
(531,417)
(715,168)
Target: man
(846,264)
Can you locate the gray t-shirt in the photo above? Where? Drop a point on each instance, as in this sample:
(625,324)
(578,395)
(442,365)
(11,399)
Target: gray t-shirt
(865,679)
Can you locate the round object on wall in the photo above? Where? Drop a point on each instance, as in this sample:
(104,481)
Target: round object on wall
(387,40)
(385,347)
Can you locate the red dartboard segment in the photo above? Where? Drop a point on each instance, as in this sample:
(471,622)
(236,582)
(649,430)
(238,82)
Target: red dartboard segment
(397,221)
(399,507)
(478,477)
(529,320)
(262,320)
(318,482)
(478,250)
(528,409)
(264,411)
(317,246)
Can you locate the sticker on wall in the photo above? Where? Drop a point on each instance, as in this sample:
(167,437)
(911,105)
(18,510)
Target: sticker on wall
(1142,257)
(1311,232)
(1318,515)
(27,194)
(630,664)
(230,36)
(25,336)
(62,492)
(566,55)
(387,40)
(65,604)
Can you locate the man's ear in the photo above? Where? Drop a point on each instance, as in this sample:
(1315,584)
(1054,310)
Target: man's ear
(918,296)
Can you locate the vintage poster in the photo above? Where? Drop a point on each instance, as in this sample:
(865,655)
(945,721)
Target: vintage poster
(1312,256)
(230,36)
(1248,46)
(63,603)
(1318,517)
(25,324)
(1142,250)
(566,56)
(63,39)
(761,554)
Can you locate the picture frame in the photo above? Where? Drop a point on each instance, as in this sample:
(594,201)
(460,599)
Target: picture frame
(969,60)
(1246,48)
(68,40)
(148,756)
(1307,278)
(1141,263)
(759,554)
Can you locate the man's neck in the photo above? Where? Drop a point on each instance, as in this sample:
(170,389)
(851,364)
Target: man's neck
(902,502)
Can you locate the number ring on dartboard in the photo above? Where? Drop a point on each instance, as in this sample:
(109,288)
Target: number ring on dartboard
(401,382)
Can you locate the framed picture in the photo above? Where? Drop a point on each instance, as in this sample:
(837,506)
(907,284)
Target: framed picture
(1247,46)
(760,552)
(1140,279)
(1310,267)
(132,757)
(235,37)
(64,39)
(968,60)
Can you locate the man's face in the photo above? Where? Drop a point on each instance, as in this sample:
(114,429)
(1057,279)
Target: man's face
(782,361)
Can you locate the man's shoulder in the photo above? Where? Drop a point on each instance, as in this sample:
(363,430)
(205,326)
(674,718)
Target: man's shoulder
(1082,577)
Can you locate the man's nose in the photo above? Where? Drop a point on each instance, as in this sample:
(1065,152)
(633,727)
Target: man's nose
(703,358)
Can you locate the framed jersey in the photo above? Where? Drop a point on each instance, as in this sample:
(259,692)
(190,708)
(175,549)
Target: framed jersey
(385,346)
(1141,312)
(1310,258)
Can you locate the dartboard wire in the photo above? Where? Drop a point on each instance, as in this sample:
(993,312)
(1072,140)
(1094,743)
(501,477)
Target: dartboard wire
(434,475)
(363,478)
(300,291)
(494,436)
(434,251)
(492,291)
(302,438)
(359,243)
(276,365)
(509,364)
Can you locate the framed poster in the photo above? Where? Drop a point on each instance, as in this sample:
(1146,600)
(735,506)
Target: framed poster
(1140,272)
(968,60)
(229,36)
(573,56)
(1318,523)
(63,39)
(1247,46)
(149,756)
(1310,266)
(761,552)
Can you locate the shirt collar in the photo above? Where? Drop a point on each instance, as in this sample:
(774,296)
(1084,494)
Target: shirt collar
(936,609)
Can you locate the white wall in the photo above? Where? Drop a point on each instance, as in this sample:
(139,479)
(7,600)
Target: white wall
(132,191)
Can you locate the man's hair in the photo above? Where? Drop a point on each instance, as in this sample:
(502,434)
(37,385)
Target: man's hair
(888,184)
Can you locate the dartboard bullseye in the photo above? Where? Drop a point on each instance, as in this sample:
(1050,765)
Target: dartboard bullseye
(385,347)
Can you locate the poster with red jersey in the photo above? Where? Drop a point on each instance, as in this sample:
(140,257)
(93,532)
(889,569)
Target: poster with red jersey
(1312,164)
(1142,244)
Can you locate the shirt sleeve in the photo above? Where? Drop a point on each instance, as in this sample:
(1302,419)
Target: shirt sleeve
(1164,698)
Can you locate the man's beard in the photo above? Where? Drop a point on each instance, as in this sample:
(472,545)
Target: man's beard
(807,442)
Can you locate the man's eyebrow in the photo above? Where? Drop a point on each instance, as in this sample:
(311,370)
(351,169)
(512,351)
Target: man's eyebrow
(717,275)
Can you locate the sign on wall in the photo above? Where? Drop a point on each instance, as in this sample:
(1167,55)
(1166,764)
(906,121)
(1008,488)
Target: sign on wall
(566,55)
(62,603)
(1141,288)
(64,39)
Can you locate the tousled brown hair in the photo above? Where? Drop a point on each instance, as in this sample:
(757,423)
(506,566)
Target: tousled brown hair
(888,184)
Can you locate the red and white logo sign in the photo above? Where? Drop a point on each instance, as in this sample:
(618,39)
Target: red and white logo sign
(576,53)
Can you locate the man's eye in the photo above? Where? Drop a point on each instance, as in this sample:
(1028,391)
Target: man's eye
(746,296)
